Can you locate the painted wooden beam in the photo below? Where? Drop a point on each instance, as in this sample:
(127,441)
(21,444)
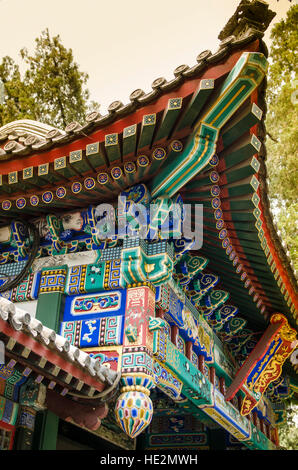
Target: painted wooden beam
(129,140)
(169,118)
(79,162)
(243,79)
(30,174)
(96,155)
(196,104)
(147,130)
(46,171)
(63,168)
(274,347)
(112,147)
(241,124)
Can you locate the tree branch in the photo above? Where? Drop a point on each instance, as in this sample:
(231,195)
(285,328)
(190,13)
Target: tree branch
(272,138)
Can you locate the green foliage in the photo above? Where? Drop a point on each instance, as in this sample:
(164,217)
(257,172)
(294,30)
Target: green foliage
(288,430)
(53,89)
(282,163)
(16,104)
(282,127)
(283,52)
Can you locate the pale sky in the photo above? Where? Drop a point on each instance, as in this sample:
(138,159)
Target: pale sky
(122,44)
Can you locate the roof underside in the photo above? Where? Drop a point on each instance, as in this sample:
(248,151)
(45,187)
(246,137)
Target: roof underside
(88,164)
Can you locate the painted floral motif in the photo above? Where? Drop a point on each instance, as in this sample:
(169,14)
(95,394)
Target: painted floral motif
(159,153)
(76,187)
(34,200)
(47,197)
(21,202)
(6,205)
(61,192)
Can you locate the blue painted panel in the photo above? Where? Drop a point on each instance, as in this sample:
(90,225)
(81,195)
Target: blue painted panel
(95,305)
(94,332)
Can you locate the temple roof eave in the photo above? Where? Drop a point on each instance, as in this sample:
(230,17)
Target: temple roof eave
(26,337)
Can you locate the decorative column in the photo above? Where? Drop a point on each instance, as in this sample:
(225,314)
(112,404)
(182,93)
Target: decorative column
(134,408)
(49,310)
(31,400)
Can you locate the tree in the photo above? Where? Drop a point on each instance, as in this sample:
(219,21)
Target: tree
(282,163)
(53,89)
(288,430)
(282,129)
(15,104)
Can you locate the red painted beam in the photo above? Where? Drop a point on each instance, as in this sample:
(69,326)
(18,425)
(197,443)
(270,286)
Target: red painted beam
(253,358)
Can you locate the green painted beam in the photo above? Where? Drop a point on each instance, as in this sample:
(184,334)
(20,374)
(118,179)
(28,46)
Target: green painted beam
(247,168)
(245,226)
(79,162)
(47,172)
(112,147)
(196,104)
(199,182)
(30,174)
(248,243)
(264,275)
(243,79)
(240,151)
(147,130)
(196,387)
(248,202)
(241,123)
(63,168)
(225,268)
(95,155)
(4,186)
(129,140)
(169,118)
(246,186)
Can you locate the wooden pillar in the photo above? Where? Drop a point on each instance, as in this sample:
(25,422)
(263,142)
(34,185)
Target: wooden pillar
(174,335)
(49,311)
(202,363)
(274,436)
(255,419)
(262,426)
(267,429)
(212,375)
(46,431)
(222,386)
(188,349)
